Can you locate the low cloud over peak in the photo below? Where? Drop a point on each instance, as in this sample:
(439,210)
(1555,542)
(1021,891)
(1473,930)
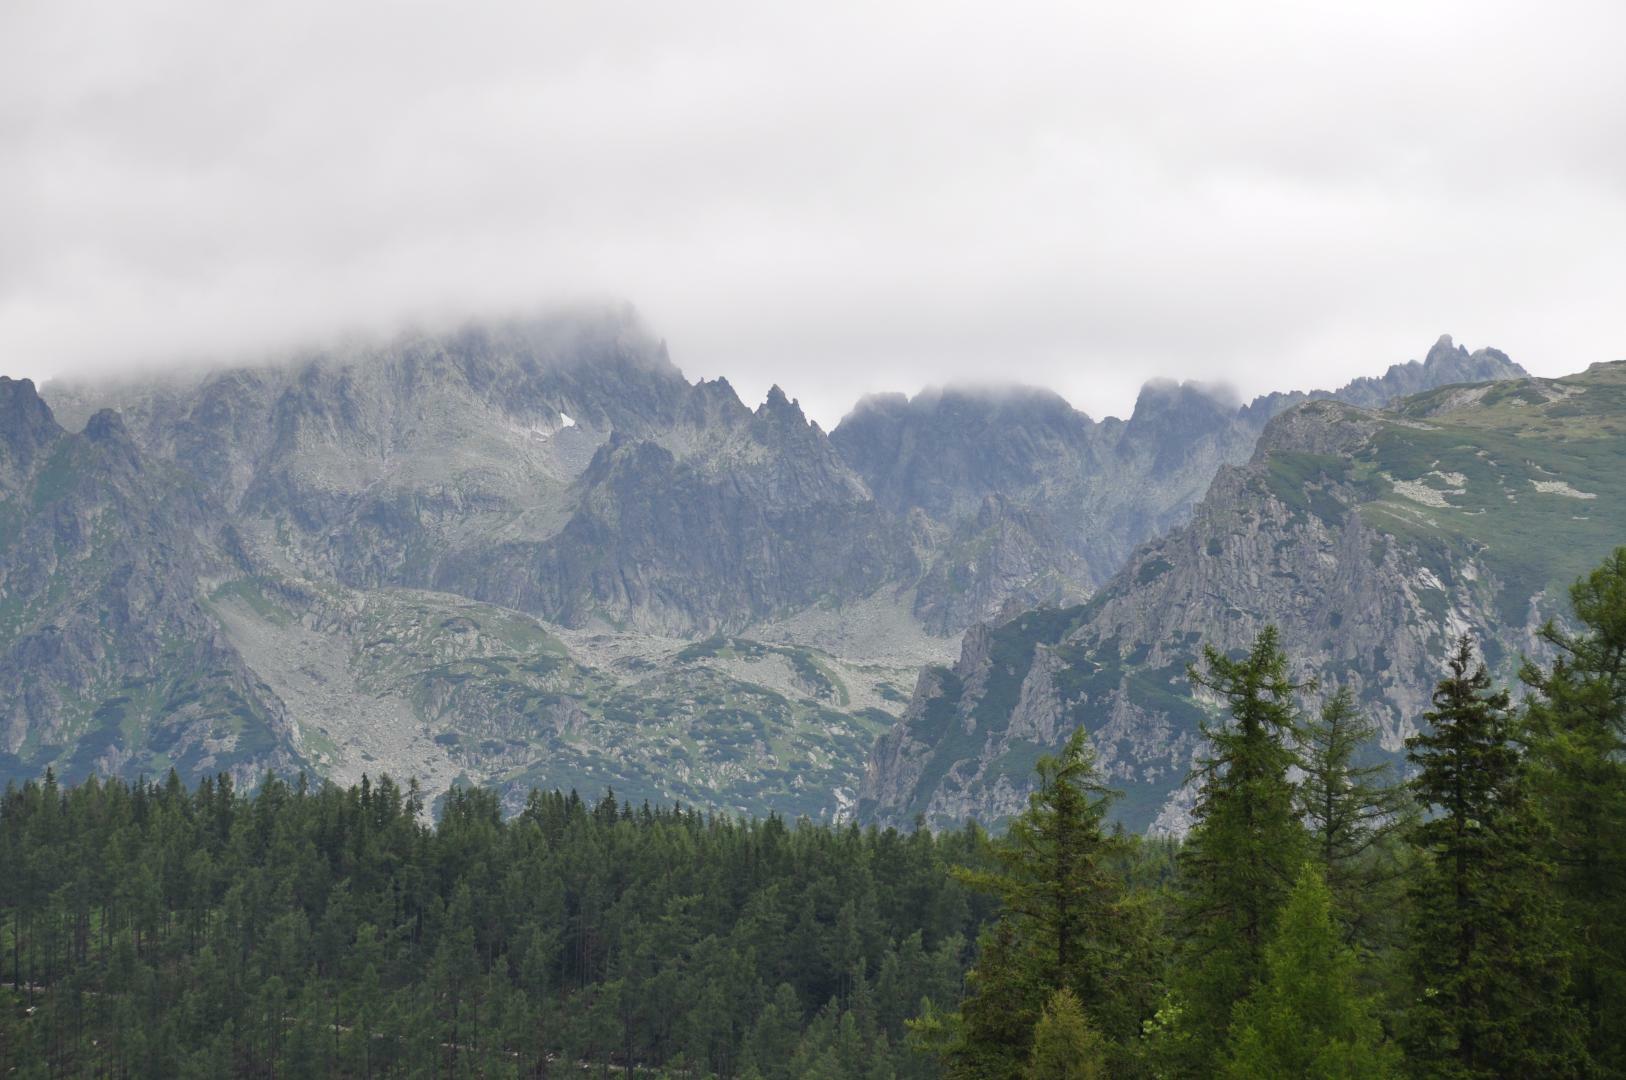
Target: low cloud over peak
(839,198)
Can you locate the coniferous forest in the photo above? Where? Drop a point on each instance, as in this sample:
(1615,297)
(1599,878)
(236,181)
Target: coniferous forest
(1328,915)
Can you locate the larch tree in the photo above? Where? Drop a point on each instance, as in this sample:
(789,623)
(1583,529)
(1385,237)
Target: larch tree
(1309,1019)
(1354,808)
(1065,1046)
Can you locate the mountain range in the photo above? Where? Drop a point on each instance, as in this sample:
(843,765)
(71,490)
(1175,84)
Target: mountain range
(532,552)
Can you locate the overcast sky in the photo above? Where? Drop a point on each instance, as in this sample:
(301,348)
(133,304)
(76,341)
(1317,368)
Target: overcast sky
(837,197)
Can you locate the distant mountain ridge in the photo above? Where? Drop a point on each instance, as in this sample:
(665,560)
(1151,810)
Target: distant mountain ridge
(1050,502)
(1446,363)
(1371,538)
(488,555)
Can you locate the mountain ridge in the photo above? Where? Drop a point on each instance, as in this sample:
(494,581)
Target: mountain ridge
(489,556)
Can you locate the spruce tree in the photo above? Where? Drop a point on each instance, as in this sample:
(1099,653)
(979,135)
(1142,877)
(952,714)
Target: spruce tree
(1577,720)
(1051,872)
(1354,811)
(1245,848)
(1064,924)
(1490,974)
(1309,1020)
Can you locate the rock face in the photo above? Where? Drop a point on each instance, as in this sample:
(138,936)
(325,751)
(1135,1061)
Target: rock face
(493,554)
(700,529)
(567,471)
(1372,539)
(106,648)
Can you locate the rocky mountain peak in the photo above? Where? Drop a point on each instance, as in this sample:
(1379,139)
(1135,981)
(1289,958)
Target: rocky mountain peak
(1323,426)
(1444,350)
(1171,419)
(25,419)
(1165,400)
(782,408)
(614,454)
(719,387)
(714,403)
(107,426)
(1481,365)
(26,425)
(1446,363)
(947,447)
(106,431)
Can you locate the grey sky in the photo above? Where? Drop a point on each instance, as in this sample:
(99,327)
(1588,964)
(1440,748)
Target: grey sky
(838,197)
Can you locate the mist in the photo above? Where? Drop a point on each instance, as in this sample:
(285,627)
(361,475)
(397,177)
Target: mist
(842,199)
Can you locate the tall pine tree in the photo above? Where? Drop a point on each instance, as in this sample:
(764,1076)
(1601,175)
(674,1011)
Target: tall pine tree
(1065,924)
(1490,973)
(1245,848)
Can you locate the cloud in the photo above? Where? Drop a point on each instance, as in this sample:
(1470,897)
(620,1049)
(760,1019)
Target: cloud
(840,198)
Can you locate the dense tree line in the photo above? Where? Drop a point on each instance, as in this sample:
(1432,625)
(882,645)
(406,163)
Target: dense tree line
(1323,918)
(301,931)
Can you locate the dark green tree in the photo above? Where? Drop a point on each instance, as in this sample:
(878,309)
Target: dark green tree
(1051,873)
(1491,976)
(1065,923)
(1577,720)
(1245,848)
